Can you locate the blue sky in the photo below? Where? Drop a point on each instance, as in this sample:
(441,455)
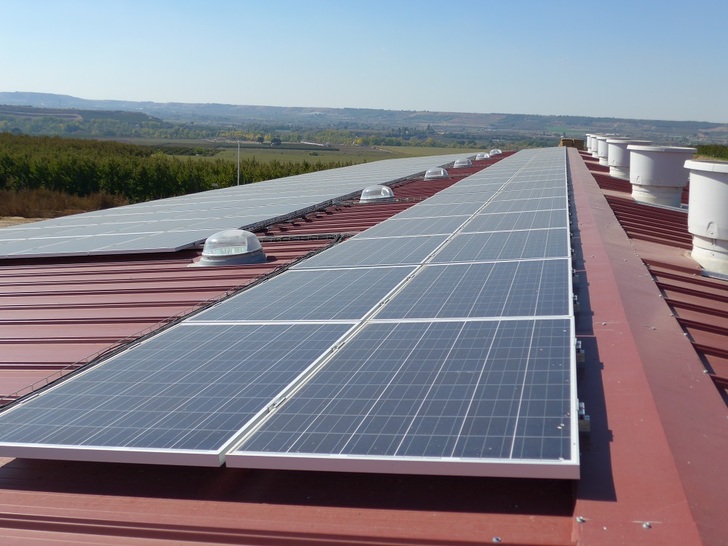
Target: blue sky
(645,59)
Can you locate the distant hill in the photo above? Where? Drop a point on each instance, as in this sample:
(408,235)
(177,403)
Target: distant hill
(352,118)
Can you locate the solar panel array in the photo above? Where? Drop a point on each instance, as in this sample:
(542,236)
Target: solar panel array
(168,225)
(436,343)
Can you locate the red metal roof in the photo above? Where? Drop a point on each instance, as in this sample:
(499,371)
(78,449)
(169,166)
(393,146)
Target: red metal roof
(649,467)
(662,240)
(58,316)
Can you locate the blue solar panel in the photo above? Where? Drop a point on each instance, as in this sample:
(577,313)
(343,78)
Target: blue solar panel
(443,393)
(509,221)
(397,227)
(518,205)
(506,245)
(177,398)
(234,207)
(445,354)
(330,294)
(500,289)
(362,252)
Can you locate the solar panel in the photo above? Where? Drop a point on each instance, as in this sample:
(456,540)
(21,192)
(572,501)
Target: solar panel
(331,294)
(397,227)
(368,252)
(499,289)
(459,199)
(245,206)
(431,209)
(509,221)
(505,245)
(520,205)
(536,192)
(439,354)
(432,398)
(177,398)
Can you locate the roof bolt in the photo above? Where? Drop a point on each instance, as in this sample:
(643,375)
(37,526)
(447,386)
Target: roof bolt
(647,525)
(497,539)
(580,519)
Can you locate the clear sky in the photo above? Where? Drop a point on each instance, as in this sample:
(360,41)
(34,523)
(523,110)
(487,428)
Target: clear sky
(650,59)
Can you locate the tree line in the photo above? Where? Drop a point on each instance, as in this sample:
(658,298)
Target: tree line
(135,172)
(713,150)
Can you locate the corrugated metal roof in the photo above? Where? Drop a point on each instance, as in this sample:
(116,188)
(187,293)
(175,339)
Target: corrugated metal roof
(699,303)
(648,472)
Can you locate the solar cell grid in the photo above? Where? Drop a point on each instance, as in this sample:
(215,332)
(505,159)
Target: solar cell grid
(537,192)
(439,209)
(505,245)
(458,359)
(509,221)
(364,252)
(338,294)
(474,198)
(397,227)
(251,203)
(517,205)
(502,289)
(189,389)
(444,391)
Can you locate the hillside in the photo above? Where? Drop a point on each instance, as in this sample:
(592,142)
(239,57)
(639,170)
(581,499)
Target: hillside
(662,131)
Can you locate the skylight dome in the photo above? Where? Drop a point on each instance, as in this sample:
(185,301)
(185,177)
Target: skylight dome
(460,163)
(436,172)
(232,247)
(376,193)
(482,155)
(495,151)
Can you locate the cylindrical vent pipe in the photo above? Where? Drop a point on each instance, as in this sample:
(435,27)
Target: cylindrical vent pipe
(708,215)
(657,173)
(589,142)
(602,148)
(594,149)
(618,156)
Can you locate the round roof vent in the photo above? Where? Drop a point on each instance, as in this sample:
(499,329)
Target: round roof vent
(436,172)
(376,193)
(232,247)
(482,155)
(460,163)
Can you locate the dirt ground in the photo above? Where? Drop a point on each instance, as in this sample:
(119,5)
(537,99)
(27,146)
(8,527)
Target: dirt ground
(7,221)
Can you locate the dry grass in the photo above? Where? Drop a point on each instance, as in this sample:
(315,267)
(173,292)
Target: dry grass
(51,204)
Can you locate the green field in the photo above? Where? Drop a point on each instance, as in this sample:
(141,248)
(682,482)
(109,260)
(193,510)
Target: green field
(354,154)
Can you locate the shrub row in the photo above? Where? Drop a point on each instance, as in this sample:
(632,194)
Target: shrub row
(134,173)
